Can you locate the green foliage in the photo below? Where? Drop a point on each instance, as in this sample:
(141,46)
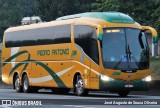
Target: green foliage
(51,9)
(156,15)
(12,12)
(146,12)
(27,7)
(140,10)
(155,70)
(9,14)
(0,65)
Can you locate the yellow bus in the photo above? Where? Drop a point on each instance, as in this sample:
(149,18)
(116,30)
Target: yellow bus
(105,51)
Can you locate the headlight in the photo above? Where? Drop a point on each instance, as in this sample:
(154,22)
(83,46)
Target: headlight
(148,78)
(106,78)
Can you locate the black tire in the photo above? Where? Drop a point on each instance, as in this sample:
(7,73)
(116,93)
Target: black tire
(60,90)
(17,85)
(80,90)
(25,84)
(123,93)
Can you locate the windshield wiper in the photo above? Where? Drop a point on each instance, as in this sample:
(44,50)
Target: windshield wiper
(128,55)
(115,67)
(131,56)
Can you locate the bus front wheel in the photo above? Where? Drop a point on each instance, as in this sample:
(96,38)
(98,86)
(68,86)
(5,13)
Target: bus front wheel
(123,93)
(80,90)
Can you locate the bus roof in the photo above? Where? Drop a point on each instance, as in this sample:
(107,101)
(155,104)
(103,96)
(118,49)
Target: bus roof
(39,25)
(113,17)
(109,19)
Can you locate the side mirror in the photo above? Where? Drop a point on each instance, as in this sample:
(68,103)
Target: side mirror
(99,32)
(154,42)
(153,32)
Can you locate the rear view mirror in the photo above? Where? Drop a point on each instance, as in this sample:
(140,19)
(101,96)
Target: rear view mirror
(152,40)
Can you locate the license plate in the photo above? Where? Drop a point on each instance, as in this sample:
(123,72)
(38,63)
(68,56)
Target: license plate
(128,85)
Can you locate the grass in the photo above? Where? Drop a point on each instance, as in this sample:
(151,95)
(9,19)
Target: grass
(0,65)
(155,68)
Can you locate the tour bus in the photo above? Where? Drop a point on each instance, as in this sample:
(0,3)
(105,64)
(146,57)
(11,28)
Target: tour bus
(105,51)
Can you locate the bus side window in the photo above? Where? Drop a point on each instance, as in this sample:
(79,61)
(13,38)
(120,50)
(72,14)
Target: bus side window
(40,36)
(86,38)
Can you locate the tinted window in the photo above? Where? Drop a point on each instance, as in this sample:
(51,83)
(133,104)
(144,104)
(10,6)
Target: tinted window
(40,36)
(125,49)
(86,38)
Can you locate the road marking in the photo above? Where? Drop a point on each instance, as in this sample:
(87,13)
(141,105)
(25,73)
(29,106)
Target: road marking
(78,106)
(90,107)
(5,106)
(68,105)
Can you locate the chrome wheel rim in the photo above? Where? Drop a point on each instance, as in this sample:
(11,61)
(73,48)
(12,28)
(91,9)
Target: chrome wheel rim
(79,86)
(25,83)
(17,83)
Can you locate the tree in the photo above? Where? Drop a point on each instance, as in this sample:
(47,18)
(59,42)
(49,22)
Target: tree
(156,16)
(9,14)
(51,9)
(141,11)
(27,7)
(12,12)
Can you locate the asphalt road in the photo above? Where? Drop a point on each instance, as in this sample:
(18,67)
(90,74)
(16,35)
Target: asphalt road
(70,100)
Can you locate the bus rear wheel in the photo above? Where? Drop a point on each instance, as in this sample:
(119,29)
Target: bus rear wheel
(80,90)
(123,93)
(25,81)
(17,85)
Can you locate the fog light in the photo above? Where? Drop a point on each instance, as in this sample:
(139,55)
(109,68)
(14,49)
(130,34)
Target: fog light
(148,78)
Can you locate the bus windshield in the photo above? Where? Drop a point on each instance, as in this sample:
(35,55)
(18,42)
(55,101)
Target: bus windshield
(125,49)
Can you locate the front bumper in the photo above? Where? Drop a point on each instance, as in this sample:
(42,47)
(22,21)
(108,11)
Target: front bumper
(119,85)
